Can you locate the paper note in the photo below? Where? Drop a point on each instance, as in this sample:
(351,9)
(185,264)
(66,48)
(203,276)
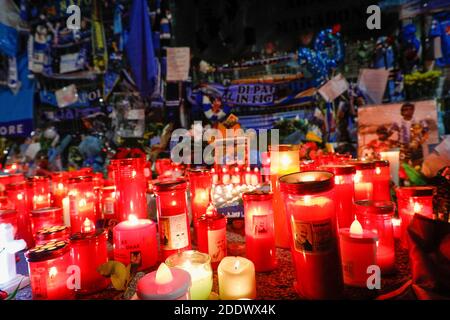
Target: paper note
(334,88)
(178,61)
(373,83)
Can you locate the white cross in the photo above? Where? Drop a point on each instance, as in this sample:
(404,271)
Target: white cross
(8,249)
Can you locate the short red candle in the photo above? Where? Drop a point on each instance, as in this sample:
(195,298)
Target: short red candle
(200,185)
(54,233)
(9,216)
(173,220)
(46,217)
(344,190)
(88,252)
(376,216)
(358,251)
(411,201)
(310,206)
(212,235)
(135,242)
(131,187)
(363,179)
(81,203)
(18,195)
(38,192)
(47,267)
(259,230)
(381,181)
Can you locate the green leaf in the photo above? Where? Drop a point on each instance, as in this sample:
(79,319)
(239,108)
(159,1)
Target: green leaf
(14,294)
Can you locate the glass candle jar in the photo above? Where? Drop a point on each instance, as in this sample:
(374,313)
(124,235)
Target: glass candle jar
(135,242)
(54,233)
(411,201)
(199,267)
(284,159)
(164,284)
(10,216)
(162,166)
(259,230)
(108,203)
(38,192)
(46,217)
(344,192)
(131,187)
(6,203)
(376,216)
(212,235)
(363,179)
(173,219)
(98,180)
(18,195)
(310,206)
(59,187)
(200,186)
(81,203)
(47,265)
(88,252)
(381,181)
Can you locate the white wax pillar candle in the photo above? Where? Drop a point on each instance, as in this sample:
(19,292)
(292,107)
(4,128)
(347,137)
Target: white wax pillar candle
(66,211)
(393,157)
(236,278)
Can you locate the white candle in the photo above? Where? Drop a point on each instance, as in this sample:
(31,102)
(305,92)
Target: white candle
(236,278)
(393,157)
(66,211)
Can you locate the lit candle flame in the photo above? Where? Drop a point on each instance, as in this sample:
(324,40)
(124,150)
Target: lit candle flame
(87,226)
(133,173)
(377,170)
(236,264)
(52,272)
(358,177)
(356,228)
(163,274)
(173,203)
(285,160)
(338,180)
(307,199)
(133,219)
(60,186)
(20,196)
(417,207)
(82,202)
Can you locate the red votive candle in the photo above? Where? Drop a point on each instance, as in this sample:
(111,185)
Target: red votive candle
(54,233)
(162,166)
(47,265)
(344,189)
(411,201)
(88,252)
(381,181)
(358,251)
(10,216)
(310,206)
(259,230)
(108,202)
(200,185)
(81,203)
(18,195)
(131,187)
(46,217)
(38,192)
(212,235)
(363,179)
(135,242)
(376,216)
(59,187)
(173,220)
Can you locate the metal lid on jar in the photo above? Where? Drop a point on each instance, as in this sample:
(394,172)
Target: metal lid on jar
(284,147)
(52,232)
(374,207)
(381,163)
(169,185)
(78,179)
(339,169)
(308,182)
(46,210)
(50,250)
(361,164)
(257,195)
(91,236)
(419,191)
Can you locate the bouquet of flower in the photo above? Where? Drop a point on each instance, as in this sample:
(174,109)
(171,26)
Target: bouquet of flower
(421,85)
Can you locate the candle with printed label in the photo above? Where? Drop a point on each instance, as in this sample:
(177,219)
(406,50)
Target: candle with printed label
(135,242)
(310,206)
(236,278)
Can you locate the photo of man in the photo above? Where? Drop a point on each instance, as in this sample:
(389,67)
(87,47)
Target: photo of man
(303,237)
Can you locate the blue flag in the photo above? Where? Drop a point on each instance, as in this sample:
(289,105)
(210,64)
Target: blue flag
(140,48)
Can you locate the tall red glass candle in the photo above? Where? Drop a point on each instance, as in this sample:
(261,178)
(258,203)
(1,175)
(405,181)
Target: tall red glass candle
(98,181)
(200,184)
(212,235)
(381,181)
(173,220)
(310,206)
(38,192)
(18,195)
(376,216)
(259,230)
(81,203)
(345,190)
(363,179)
(135,242)
(54,233)
(108,203)
(88,252)
(358,251)
(10,216)
(47,265)
(59,187)
(131,187)
(46,217)
(411,201)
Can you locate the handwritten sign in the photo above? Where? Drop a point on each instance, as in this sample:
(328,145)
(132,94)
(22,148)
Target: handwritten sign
(178,60)
(373,83)
(334,88)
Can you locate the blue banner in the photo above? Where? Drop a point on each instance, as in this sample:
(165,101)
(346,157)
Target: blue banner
(16,109)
